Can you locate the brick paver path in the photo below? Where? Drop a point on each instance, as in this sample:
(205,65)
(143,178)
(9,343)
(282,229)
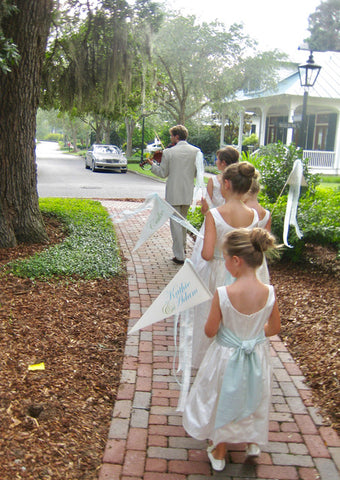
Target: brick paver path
(146,440)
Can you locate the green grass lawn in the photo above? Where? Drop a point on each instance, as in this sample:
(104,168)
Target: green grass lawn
(330,181)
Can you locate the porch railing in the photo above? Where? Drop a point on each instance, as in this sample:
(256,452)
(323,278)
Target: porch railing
(319,158)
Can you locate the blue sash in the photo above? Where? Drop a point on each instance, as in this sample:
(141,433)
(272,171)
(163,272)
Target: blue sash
(241,391)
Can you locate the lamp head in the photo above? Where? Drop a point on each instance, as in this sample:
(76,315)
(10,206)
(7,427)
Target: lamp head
(309,72)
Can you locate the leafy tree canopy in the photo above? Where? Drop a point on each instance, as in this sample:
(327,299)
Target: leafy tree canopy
(324,27)
(9,54)
(203,63)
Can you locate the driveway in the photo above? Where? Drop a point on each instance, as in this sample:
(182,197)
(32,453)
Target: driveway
(64,175)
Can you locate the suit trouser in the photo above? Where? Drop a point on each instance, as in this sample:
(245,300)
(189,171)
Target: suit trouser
(179,233)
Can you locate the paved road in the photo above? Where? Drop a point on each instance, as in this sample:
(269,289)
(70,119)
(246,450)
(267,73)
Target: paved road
(64,175)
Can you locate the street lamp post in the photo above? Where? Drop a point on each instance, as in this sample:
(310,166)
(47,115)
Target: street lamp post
(308,73)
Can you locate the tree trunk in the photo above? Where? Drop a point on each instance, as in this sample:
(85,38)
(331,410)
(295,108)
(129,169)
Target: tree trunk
(20,216)
(130,126)
(74,133)
(107,132)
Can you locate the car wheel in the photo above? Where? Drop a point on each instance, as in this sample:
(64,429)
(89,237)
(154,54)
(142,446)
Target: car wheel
(123,170)
(93,166)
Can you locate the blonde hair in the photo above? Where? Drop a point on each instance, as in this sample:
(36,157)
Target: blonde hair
(240,175)
(249,244)
(228,155)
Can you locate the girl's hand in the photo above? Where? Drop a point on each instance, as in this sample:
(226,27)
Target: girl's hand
(204,206)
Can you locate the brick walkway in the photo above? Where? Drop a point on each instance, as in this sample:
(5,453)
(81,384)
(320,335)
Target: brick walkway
(146,440)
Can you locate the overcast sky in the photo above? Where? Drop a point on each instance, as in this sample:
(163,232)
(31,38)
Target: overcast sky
(273,23)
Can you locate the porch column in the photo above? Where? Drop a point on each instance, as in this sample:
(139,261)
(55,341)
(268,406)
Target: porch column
(240,131)
(290,130)
(262,132)
(337,150)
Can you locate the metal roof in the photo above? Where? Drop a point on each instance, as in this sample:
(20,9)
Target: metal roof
(327,84)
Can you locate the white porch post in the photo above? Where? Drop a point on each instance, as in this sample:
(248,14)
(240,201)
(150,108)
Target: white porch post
(240,131)
(262,133)
(337,149)
(290,130)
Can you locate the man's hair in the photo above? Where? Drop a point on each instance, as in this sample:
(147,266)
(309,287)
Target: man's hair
(179,130)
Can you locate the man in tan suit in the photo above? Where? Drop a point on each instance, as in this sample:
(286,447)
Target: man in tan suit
(179,166)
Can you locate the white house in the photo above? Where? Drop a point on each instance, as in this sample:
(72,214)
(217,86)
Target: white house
(277,114)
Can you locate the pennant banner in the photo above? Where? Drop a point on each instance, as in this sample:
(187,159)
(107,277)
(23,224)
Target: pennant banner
(161,211)
(159,215)
(184,291)
(295,180)
(126,214)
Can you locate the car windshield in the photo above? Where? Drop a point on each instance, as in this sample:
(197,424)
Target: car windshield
(106,149)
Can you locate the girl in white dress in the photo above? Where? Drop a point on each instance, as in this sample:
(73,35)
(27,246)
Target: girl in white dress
(251,200)
(230,398)
(208,258)
(225,157)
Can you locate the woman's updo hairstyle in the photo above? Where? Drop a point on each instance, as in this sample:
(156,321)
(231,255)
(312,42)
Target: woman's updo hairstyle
(255,186)
(240,175)
(249,244)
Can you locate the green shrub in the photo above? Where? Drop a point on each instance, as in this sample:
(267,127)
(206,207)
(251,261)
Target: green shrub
(54,137)
(195,217)
(317,217)
(251,140)
(275,162)
(89,251)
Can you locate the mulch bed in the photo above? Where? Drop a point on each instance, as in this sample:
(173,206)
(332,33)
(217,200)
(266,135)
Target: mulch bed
(55,421)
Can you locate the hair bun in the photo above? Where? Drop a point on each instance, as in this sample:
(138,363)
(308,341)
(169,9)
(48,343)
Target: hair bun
(261,239)
(247,169)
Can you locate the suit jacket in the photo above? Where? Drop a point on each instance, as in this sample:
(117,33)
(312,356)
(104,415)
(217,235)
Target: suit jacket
(179,166)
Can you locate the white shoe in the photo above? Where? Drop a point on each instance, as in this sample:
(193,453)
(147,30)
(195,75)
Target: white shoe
(216,464)
(253,450)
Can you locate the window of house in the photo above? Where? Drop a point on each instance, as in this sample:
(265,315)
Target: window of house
(320,132)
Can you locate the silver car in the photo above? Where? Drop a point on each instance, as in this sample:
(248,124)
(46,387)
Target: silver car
(106,157)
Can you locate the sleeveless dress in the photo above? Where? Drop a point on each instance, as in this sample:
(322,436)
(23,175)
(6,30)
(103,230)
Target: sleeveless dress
(264,221)
(216,201)
(217,198)
(214,274)
(193,343)
(202,412)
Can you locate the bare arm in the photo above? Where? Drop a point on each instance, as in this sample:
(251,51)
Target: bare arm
(269,224)
(273,326)
(209,238)
(214,319)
